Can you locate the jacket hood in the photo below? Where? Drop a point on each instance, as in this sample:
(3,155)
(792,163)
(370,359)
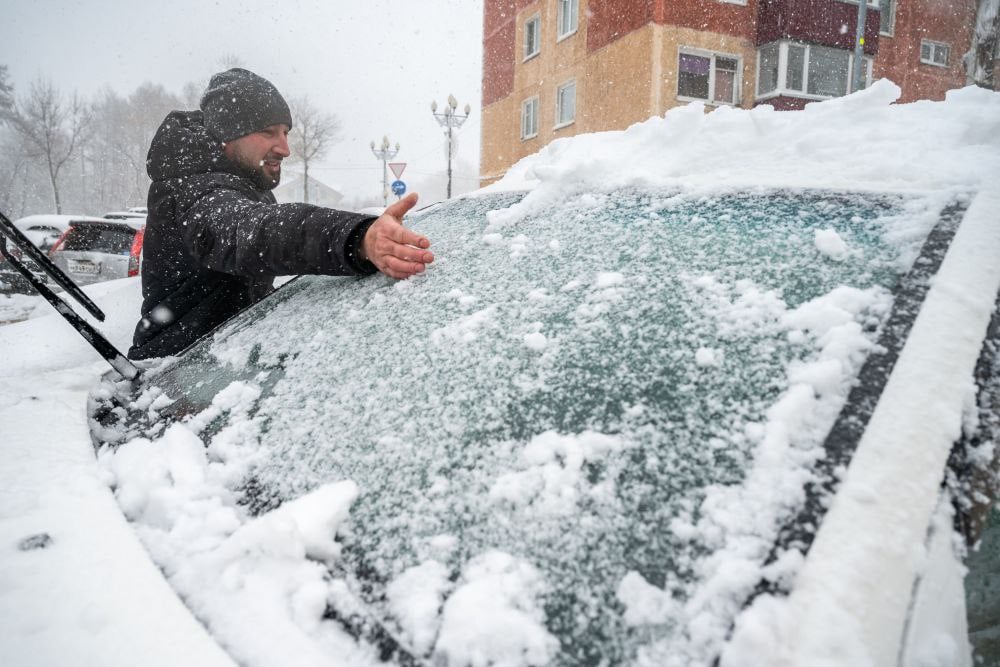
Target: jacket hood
(183,147)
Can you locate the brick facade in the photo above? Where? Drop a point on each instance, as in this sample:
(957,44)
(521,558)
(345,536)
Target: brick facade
(625,59)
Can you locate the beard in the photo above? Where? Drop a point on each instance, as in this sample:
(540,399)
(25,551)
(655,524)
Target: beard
(257,172)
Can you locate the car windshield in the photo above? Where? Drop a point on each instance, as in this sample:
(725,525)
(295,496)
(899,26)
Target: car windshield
(566,401)
(112,239)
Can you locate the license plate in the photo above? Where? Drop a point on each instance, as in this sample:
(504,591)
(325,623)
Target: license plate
(84,268)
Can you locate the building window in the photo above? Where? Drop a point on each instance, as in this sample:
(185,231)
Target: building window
(710,77)
(887,17)
(934,53)
(529,118)
(806,70)
(566,104)
(886,13)
(532,36)
(829,71)
(568,11)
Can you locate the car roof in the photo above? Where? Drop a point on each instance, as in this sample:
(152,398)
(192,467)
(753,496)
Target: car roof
(61,221)
(132,223)
(122,215)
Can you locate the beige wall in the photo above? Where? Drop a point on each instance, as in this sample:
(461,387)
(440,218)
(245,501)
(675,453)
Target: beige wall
(625,82)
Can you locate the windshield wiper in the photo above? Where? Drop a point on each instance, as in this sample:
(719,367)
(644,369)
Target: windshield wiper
(118,361)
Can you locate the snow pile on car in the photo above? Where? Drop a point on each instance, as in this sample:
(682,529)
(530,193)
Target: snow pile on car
(859,142)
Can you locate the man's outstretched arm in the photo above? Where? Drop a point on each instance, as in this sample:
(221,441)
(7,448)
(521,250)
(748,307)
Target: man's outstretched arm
(394,249)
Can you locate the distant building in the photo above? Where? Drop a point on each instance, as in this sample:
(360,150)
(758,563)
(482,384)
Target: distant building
(555,68)
(293,190)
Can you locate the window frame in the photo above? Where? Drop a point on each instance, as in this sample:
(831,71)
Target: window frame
(712,55)
(782,88)
(533,103)
(561,7)
(559,124)
(935,47)
(537,20)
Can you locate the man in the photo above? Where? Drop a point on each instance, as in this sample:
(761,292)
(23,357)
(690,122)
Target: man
(216,238)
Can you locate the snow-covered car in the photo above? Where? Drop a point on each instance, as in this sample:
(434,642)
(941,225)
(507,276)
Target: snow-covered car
(605,429)
(101,249)
(718,389)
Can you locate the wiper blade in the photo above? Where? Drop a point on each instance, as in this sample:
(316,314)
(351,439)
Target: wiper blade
(109,352)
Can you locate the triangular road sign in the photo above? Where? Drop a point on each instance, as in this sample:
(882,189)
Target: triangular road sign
(397,168)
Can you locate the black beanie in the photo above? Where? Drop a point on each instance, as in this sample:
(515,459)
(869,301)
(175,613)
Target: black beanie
(238,102)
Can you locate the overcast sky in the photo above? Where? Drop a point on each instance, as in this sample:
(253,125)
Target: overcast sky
(375,64)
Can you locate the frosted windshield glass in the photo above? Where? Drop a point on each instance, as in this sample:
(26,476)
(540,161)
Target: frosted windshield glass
(565,385)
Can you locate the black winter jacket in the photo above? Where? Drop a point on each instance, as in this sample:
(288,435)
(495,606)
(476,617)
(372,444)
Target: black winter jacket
(214,242)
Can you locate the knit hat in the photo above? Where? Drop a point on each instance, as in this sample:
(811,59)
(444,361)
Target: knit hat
(239,102)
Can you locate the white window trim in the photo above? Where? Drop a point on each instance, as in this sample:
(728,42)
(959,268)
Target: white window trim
(783,89)
(892,19)
(576,23)
(538,37)
(934,45)
(531,100)
(734,2)
(559,89)
(737,83)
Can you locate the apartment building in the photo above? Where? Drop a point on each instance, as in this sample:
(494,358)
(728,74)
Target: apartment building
(554,68)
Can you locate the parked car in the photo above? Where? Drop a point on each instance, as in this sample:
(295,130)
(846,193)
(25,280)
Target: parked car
(100,249)
(44,231)
(606,431)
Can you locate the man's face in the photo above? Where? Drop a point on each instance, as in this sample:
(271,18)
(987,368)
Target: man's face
(260,154)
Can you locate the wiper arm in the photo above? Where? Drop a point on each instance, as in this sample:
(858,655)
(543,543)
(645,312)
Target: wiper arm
(109,352)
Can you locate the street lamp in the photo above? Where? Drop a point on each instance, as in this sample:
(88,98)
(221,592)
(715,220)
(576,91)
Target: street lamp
(450,120)
(384,153)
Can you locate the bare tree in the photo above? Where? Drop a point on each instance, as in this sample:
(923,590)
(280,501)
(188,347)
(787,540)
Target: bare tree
(51,127)
(313,132)
(191,95)
(6,91)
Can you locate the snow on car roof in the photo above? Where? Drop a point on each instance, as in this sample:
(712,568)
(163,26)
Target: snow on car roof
(62,221)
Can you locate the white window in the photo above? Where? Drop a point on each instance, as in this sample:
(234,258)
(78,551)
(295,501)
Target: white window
(934,53)
(529,118)
(806,70)
(568,10)
(532,36)
(566,104)
(887,17)
(708,76)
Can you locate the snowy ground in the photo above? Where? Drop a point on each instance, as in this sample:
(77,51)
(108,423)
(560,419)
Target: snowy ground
(87,593)
(77,587)
(18,307)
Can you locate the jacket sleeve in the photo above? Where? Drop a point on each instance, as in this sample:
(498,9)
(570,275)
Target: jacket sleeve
(228,230)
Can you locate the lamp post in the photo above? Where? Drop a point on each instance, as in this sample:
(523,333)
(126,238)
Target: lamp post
(859,46)
(384,153)
(450,120)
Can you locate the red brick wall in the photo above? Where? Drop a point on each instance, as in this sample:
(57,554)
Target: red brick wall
(815,21)
(609,20)
(725,18)
(948,21)
(499,32)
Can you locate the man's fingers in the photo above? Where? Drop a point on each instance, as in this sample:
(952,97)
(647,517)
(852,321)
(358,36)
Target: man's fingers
(399,209)
(403,235)
(398,268)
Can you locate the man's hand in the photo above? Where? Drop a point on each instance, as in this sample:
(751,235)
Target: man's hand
(394,249)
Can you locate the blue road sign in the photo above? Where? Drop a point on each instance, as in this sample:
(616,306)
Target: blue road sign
(398,188)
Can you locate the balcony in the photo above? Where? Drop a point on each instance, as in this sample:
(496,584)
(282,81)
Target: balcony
(825,22)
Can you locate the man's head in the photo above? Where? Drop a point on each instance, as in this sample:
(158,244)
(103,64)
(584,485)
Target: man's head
(248,114)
